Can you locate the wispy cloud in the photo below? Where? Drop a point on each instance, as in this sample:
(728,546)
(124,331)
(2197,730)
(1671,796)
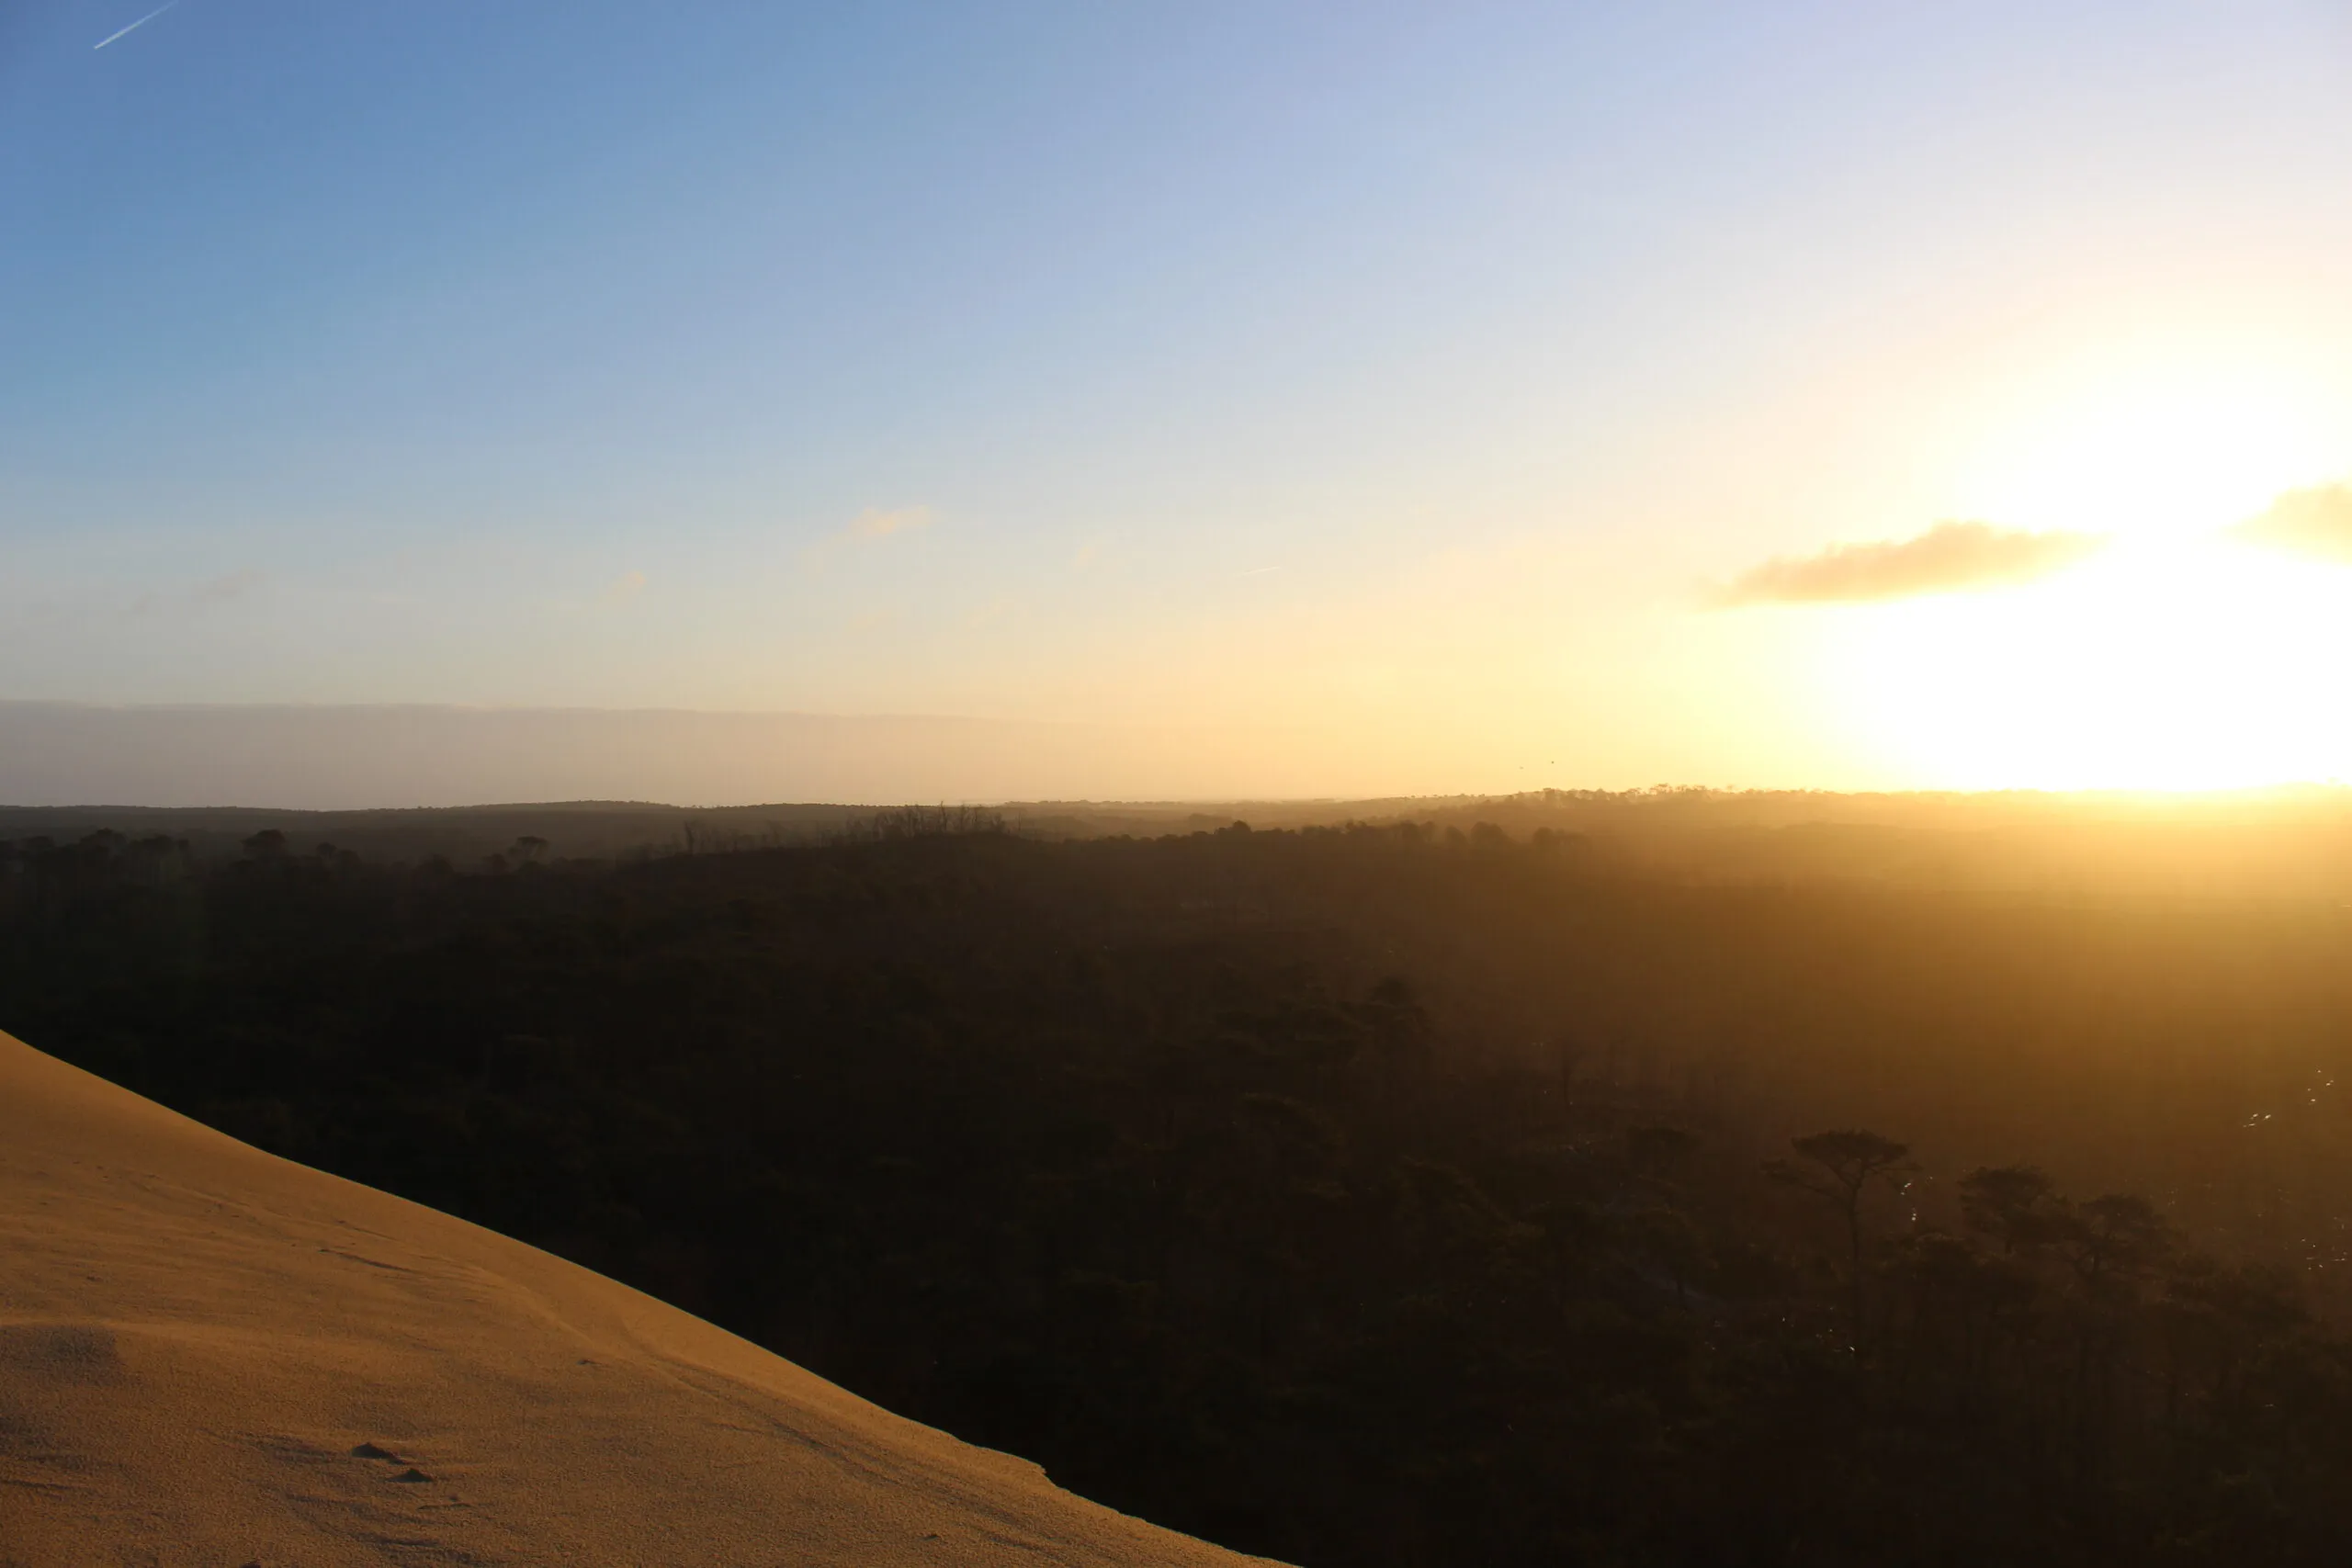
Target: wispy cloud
(1947,558)
(235,585)
(223,589)
(623,590)
(2316,522)
(137,25)
(998,609)
(873,523)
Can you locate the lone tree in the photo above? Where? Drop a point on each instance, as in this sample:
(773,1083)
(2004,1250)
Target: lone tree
(1841,1166)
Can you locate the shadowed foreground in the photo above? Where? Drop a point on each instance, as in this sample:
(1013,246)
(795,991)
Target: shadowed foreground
(210,1355)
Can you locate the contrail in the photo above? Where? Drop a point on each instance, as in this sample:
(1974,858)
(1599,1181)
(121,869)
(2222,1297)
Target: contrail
(134,27)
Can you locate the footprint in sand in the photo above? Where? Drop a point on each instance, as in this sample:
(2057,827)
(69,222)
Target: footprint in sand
(412,1475)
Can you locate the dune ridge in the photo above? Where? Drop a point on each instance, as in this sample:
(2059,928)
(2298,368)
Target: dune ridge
(209,1355)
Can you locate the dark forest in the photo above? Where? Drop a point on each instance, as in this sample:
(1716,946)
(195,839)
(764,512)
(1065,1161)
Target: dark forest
(1361,1196)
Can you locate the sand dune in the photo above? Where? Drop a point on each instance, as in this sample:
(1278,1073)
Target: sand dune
(212,1356)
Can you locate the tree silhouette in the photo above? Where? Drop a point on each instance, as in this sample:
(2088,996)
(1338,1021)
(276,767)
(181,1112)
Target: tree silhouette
(1840,1167)
(2016,1205)
(2114,1237)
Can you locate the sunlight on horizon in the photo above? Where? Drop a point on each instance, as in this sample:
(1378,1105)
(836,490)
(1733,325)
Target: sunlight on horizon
(2167,663)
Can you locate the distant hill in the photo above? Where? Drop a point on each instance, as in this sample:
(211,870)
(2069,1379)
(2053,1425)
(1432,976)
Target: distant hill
(2288,843)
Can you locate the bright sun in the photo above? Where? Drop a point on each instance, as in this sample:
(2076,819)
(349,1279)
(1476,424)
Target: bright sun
(2182,454)
(2179,658)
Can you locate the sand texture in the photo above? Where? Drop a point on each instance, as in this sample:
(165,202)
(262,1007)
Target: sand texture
(212,1356)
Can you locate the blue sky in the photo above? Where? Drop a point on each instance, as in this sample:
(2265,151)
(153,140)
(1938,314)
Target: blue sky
(1389,380)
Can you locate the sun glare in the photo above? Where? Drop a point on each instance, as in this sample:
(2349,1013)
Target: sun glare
(2179,658)
(2140,452)
(2169,663)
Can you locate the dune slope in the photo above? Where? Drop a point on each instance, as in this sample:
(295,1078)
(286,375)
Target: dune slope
(212,1356)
